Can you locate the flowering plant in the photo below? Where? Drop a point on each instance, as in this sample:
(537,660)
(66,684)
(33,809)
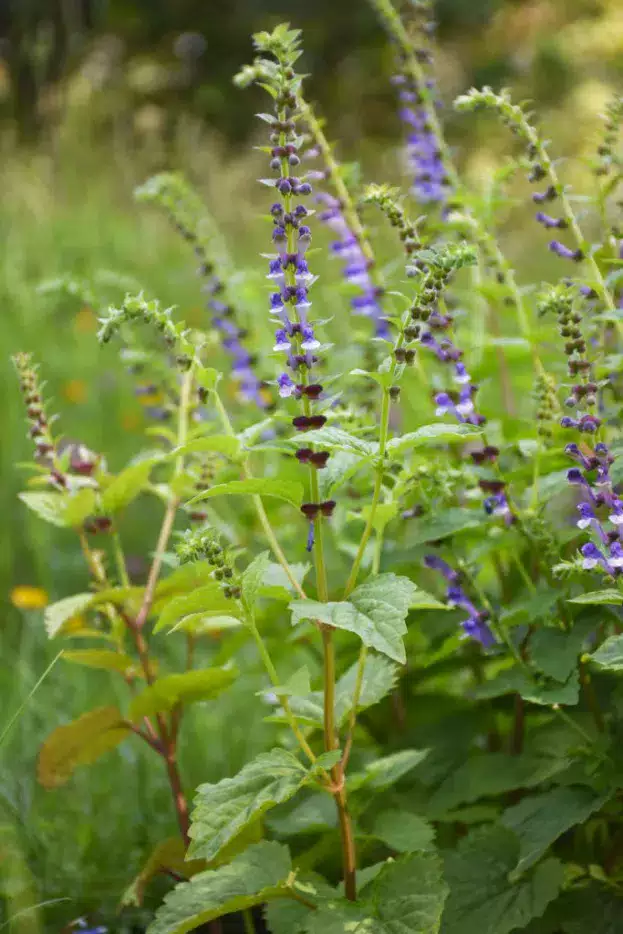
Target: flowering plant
(442,674)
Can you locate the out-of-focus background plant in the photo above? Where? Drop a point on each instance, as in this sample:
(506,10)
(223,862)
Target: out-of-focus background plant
(94,97)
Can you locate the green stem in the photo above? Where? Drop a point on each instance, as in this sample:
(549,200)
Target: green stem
(249,924)
(120,561)
(274,678)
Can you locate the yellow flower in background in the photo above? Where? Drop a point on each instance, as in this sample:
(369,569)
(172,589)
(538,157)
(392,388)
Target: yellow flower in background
(75,390)
(85,321)
(26,597)
(145,397)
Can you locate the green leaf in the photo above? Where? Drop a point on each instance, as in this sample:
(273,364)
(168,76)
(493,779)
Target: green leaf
(383,514)
(207,377)
(489,774)
(287,490)
(297,685)
(379,679)
(187,688)
(482,900)
(387,771)
(224,809)
(79,743)
(257,875)
(383,379)
(540,820)
(100,658)
(536,690)
(48,506)
(228,445)
(276,583)
(336,439)
(406,896)
(208,601)
(430,435)
(79,505)
(610,654)
(598,597)
(442,525)
(57,614)
(253,578)
(126,486)
(555,652)
(376,613)
(403,831)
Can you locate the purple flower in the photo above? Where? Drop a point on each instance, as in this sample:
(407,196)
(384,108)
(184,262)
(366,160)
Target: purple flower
(565,252)
(286,386)
(435,563)
(550,222)
(475,627)
(593,557)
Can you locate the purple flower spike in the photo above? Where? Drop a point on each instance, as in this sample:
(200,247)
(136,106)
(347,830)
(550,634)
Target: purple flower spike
(592,558)
(282,341)
(550,222)
(475,627)
(565,252)
(435,563)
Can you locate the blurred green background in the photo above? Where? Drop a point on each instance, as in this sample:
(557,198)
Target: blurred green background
(94,97)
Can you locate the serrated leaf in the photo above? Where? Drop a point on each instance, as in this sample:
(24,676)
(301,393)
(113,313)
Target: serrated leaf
(406,896)
(258,874)
(376,612)
(228,445)
(208,600)
(57,614)
(336,439)
(379,679)
(489,774)
(430,435)
(403,831)
(598,597)
(105,659)
(481,899)
(126,486)
(555,652)
(287,490)
(610,654)
(540,820)
(79,743)
(48,506)
(187,688)
(207,377)
(224,809)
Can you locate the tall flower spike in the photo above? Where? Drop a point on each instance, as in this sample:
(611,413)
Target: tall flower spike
(600,511)
(541,170)
(288,271)
(352,245)
(475,626)
(187,215)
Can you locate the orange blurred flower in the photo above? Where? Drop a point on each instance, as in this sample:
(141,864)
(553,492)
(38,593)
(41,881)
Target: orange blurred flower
(25,597)
(85,321)
(75,390)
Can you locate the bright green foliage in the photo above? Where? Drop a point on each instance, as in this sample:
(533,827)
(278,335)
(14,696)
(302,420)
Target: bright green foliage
(257,875)
(223,810)
(188,688)
(376,612)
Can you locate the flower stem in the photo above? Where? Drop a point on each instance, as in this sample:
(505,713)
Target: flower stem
(257,502)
